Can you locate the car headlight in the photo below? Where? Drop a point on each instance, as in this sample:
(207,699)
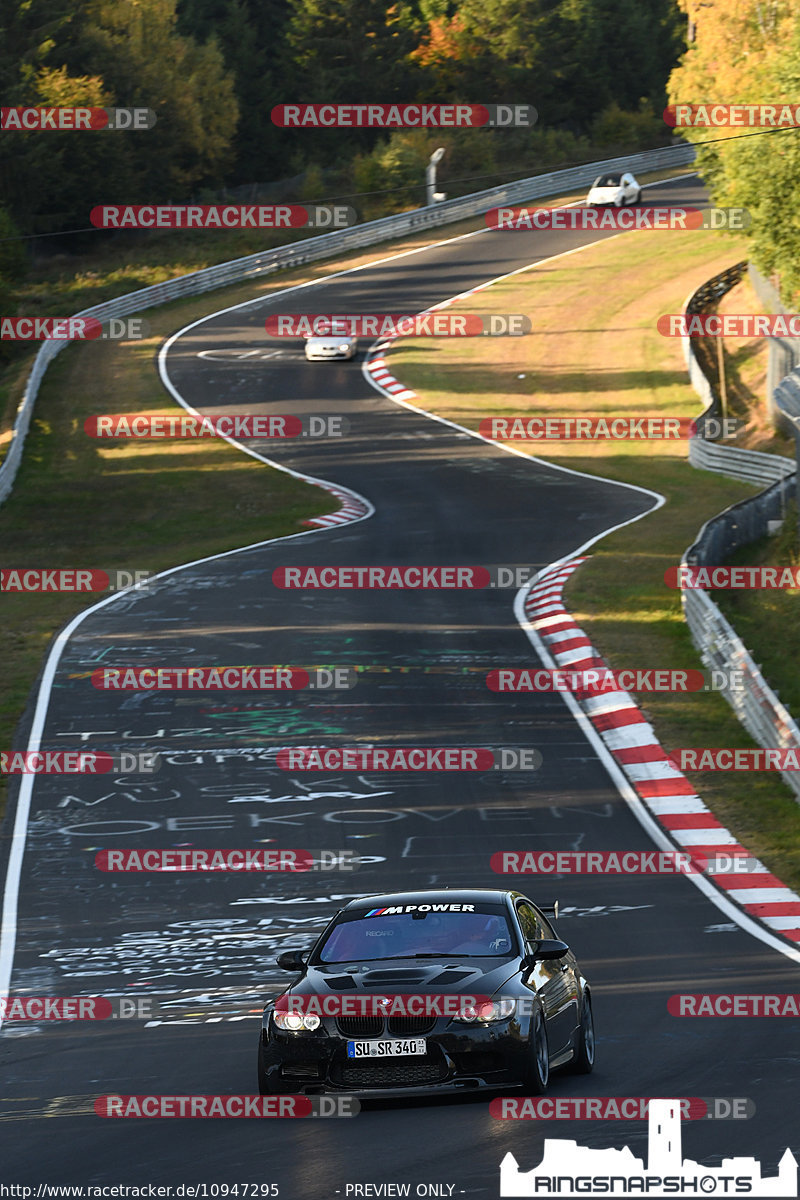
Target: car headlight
(296,1022)
(484,1014)
(345,346)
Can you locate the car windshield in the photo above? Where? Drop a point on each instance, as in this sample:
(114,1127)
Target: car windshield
(606,181)
(375,935)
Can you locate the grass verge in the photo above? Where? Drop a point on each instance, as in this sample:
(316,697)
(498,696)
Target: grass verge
(146,506)
(595,351)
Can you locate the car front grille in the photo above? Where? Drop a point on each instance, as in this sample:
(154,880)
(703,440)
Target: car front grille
(360,1027)
(410,1026)
(392,1074)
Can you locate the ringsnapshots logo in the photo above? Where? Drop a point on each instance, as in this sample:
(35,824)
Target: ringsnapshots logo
(409,758)
(260,861)
(732,116)
(404,116)
(30,120)
(570,1170)
(158,426)
(521,219)
(224,679)
(397,325)
(79,762)
(223,216)
(71,579)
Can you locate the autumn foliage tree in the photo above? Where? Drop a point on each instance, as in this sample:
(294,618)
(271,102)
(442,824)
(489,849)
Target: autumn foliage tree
(748,52)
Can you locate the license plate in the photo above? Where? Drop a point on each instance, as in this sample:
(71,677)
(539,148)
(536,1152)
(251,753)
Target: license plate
(390,1048)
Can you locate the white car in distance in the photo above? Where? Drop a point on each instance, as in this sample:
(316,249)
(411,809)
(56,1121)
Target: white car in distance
(614,188)
(333,346)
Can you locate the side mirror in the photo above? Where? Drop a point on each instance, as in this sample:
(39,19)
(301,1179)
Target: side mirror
(546,949)
(292,960)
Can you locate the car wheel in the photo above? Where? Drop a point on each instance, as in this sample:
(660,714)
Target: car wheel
(583,1058)
(537,1072)
(265,1086)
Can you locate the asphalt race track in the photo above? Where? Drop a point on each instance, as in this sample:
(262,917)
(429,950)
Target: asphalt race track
(202,948)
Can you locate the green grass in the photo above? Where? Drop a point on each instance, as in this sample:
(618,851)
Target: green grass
(595,351)
(143,506)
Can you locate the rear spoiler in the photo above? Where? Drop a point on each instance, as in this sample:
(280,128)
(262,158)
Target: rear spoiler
(551,910)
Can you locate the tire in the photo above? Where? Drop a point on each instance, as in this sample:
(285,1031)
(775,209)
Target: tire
(265,1086)
(537,1073)
(583,1058)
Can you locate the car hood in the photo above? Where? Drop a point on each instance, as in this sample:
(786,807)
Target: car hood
(330,339)
(605,193)
(445,976)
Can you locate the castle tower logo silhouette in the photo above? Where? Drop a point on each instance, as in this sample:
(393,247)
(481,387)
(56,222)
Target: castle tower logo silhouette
(568,1169)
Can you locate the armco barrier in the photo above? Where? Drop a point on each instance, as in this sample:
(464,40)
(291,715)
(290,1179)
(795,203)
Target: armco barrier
(757,707)
(325,246)
(751,466)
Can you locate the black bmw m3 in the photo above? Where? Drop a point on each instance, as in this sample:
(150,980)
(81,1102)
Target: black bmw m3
(419,993)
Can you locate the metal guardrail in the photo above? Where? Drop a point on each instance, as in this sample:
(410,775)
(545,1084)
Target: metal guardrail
(325,245)
(755,704)
(751,466)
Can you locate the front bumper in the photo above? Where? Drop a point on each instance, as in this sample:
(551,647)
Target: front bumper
(328,353)
(458,1059)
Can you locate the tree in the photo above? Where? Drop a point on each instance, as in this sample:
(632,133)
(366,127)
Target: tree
(734,50)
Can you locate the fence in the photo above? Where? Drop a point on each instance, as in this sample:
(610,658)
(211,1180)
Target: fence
(756,705)
(324,246)
(749,465)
